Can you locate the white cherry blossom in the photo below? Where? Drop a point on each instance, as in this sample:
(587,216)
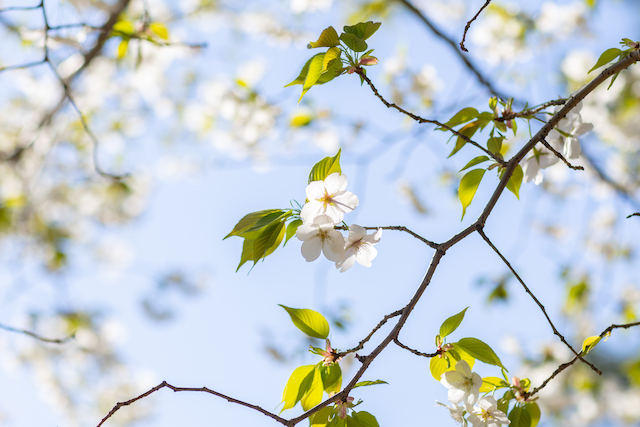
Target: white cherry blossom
(457,412)
(320,236)
(359,247)
(329,198)
(463,385)
(487,414)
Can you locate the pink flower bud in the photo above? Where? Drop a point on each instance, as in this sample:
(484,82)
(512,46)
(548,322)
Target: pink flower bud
(368,60)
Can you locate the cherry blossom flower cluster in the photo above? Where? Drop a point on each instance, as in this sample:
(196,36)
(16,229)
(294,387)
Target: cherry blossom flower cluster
(464,388)
(327,202)
(563,138)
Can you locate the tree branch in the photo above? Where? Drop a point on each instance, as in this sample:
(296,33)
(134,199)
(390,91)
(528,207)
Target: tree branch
(360,345)
(416,352)
(560,156)
(38,337)
(466,28)
(399,228)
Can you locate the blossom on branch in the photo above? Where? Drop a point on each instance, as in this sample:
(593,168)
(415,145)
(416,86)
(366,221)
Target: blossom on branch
(457,412)
(487,414)
(464,385)
(328,198)
(320,236)
(359,247)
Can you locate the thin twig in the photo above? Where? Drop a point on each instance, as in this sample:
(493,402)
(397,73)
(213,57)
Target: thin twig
(633,214)
(21,66)
(572,361)
(482,79)
(38,337)
(530,112)
(416,352)
(164,384)
(419,119)
(544,311)
(466,28)
(361,344)
(399,228)
(15,8)
(560,156)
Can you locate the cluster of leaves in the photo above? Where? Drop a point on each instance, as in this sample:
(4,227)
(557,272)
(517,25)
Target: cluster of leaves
(613,53)
(263,231)
(524,413)
(307,384)
(344,54)
(154,32)
(472,121)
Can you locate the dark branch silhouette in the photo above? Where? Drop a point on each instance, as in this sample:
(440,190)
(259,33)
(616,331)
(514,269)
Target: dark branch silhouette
(466,27)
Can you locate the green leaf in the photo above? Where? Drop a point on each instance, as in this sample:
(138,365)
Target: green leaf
(519,417)
(328,38)
(475,161)
(267,240)
(303,74)
(438,366)
(122,48)
(467,130)
(492,383)
(368,383)
(353,42)
(255,221)
(352,422)
(247,251)
(534,412)
(468,186)
(503,403)
(298,384)
(363,30)
(515,181)
(452,323)
(494,144)
(366,419)
(332,53)
(480,351)
(274,241)
(334,70)
(325,167)
(308,321)
(615,76)
(160,30)
(606,57)
(124,27)
(331,378)
(322,417)
(462,116)
(589,344)
(292,228)
(464,356)
(313,396)
(315,70)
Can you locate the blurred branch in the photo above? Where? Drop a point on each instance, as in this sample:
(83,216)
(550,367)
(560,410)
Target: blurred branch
(36,336)
(466,28)
(482,79)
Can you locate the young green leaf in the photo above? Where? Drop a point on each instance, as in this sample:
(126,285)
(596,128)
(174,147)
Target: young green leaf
(325,167)
(365,419)
(492,383)
(515,181)
(122,48)
(353,42)
(475,161)
(328,38)
(315,70)
(322,417)
(439,365)
(368,383)
(277,234)
(254,221)
(452,323)
(308,321)
(332,54)
(292,228)
(606,57)
(468,186)
(363,30)
(331,378)
(334,70)
(589,344)
(303,74)
(534,412)
(463,116)
(467,130)
(247,250)
(494,144)
(160,30)
(313,396)
(480,351)
(297,386)
(519,417)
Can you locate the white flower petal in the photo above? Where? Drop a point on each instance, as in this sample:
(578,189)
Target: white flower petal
(311,249)
(335,183)
(365,254)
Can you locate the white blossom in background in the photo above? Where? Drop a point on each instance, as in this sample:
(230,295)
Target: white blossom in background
(329,198)
(457,413)
(573,127)
(464,385)
(499,34)
(487,414)
(320,236)
(560,19)
(359,247)
(300,6)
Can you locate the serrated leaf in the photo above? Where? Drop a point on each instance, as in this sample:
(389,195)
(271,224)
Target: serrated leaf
(363,30)
(492,383)
(328,38)
(303,74)
(467,130)
(325,167)
(334,70)
(368,383)
(463,116)
(247,251)
(297,385)
(475,161)
(292,228)
(274,241)
(160,30)
(589,344)
(534,412)
(353,42)
(519,417)
(313,396)
(267,240)
(332,53)
(308,321)
(331,378)
(366,419)
(452,323)
(606,57)
(313,74)
(515,181)
(480,351)
(254,221)
(322,417)
(468,186)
